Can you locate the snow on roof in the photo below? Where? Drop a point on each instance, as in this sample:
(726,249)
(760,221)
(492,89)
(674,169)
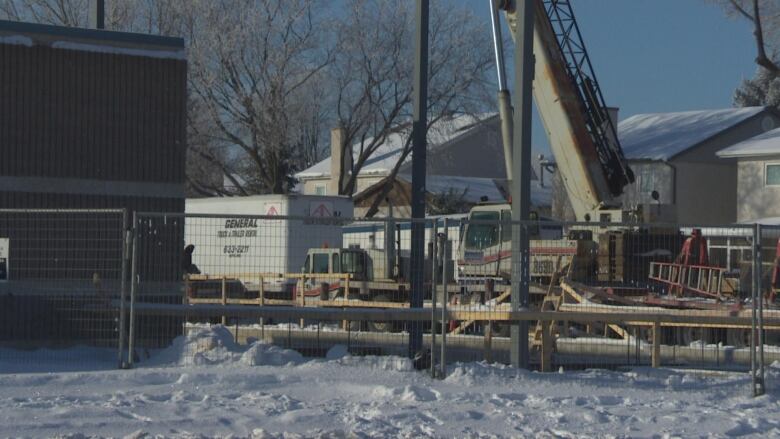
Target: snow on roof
(767,143)
(661,136)
(475,188)
(769,221)
(387,154)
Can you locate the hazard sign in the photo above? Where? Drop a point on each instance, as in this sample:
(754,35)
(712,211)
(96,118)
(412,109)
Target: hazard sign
(321,209)
(273,209)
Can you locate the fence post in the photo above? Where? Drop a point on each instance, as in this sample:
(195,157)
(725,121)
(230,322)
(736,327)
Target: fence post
(547,342)
(444,301)
(261,295)
(127,239)
(434,287)
(224,299)
(656,358)
(754,295)
(133,292)
(759,321)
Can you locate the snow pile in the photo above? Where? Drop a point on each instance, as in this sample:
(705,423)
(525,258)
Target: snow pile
(214,345)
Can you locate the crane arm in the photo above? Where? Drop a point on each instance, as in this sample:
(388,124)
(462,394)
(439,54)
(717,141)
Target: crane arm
(582,136)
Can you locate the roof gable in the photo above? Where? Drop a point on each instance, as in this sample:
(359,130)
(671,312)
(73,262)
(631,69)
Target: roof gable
(764,144)
(661,136)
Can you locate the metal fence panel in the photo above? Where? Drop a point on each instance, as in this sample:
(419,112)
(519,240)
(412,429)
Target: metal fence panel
(61,275)
(602,295)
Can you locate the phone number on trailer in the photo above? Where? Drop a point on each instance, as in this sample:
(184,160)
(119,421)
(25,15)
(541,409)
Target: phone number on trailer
(235,250)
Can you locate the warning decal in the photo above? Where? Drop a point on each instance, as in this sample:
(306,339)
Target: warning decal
(321,209)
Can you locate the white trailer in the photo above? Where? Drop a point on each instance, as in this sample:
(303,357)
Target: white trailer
(240,237)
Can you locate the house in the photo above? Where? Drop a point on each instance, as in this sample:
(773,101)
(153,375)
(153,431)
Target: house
(676,155)
(758,177)
(465,156)
(465,192)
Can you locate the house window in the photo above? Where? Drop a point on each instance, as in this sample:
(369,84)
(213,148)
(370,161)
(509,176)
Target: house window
(320,189)
(647,180)
(772,174)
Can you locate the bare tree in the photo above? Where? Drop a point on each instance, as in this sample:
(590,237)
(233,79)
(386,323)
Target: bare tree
(373,76)
(764,15)
(254,67)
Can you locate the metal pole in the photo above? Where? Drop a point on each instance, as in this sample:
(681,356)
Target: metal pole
(133,291)
(434,287)
(444,301)
(753,295)
(521,169)
(97,14)
(760,378)
(504,100)
(127,236)
(419,132)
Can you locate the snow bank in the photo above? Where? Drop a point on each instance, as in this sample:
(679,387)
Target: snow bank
(377,397)
(214,345)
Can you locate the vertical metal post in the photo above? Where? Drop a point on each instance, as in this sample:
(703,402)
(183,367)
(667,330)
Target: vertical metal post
(753,310)
(133,292)
(97,14)
(127,237)
(444,301)
(521,170)
(504,100)
(419,133)
(434,288)
(224,300)
(760,318)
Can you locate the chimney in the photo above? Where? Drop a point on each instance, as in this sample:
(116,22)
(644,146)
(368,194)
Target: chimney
(340,157)
(97,14)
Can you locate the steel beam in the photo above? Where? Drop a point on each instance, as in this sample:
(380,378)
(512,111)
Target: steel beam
(419,133)
(521,173)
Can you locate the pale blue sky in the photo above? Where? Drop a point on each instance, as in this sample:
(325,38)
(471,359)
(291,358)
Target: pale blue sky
(660,55)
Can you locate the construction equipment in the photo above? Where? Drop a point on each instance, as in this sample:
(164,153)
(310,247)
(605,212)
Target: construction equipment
(582,138)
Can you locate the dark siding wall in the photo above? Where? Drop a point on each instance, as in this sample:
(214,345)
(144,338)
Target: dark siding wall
(77,114)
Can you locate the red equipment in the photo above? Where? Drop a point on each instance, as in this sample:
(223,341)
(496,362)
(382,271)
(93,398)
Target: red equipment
(694,250)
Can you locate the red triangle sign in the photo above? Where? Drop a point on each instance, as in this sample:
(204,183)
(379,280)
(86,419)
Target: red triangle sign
(321,211)
(272,211)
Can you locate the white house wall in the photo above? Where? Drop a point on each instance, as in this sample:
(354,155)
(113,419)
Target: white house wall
(757,200)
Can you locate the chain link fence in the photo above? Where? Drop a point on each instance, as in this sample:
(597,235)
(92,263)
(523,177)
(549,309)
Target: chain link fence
(61,279)
(202,289)
(600,295)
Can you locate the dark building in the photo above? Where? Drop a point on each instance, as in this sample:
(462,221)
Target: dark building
(89,119)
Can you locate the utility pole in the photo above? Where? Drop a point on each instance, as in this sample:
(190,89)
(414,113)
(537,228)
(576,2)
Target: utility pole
(419,133)
(521,173)
(97,14)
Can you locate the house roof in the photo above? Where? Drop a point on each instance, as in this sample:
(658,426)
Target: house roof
(387,154)
(662,136)
(472,188)
(764,144)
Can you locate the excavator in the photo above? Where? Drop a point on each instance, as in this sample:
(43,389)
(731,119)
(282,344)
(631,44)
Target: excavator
(584,142)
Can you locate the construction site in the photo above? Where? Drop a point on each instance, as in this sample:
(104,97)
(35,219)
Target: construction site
(134,267)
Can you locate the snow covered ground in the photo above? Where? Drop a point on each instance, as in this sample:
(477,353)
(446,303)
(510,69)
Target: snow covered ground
(205,386)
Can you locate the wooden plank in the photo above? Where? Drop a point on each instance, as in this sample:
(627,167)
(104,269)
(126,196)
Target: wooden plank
(464,325)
